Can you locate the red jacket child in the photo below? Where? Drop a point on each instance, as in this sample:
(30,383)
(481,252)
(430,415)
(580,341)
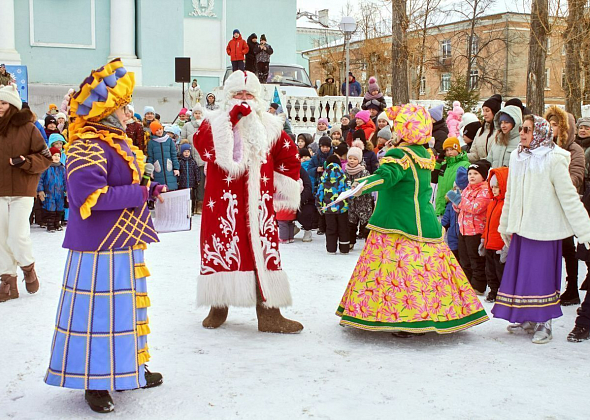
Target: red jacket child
(474,203)
(237,49)
(491,236)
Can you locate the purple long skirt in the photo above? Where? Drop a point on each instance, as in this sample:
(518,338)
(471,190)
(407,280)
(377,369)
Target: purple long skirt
(530,285)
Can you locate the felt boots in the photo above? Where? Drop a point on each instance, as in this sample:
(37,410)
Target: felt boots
(8,289)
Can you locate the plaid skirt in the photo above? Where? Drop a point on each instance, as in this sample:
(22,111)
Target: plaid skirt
(100,339)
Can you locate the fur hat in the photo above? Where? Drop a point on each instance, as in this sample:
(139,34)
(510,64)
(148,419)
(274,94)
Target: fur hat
(436,112)
(341,150)
(149,109)
(325,141)
(384,133)
(155,126)
(184,147)
(239,81)
(363,115)
(494,102)
(10,94)
(481,166)
(373,84)
(50,119)
(452,143)
(585,121)
(457,108)
(54,151)
(356,152)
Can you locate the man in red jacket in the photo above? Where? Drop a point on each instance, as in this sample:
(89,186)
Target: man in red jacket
(237,49)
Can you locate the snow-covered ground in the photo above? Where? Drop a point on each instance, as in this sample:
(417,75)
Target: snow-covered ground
(326,372)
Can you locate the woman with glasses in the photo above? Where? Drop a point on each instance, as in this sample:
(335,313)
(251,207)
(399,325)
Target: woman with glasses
(542,207)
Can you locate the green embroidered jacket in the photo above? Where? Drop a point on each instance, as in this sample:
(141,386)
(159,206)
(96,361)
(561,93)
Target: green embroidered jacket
(403,205)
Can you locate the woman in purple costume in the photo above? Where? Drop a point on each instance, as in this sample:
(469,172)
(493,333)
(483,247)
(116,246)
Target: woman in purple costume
(542,207)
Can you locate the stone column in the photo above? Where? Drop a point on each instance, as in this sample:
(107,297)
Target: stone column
(123,36)
(8,53)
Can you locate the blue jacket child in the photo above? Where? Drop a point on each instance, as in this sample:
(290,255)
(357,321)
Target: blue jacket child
(53,185)
(318,160)
(450,219)
(331,184)
(189,169)
(161,153)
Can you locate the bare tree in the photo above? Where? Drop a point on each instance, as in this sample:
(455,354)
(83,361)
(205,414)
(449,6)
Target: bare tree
(535,88)
(585,48)
(400,92)
(573,37)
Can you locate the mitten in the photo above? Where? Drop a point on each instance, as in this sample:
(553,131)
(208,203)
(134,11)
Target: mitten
(481,250)
(503,254)
(454,197)
(506,238)
(239,111)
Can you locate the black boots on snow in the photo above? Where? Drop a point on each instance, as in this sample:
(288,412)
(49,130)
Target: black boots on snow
(99,401)
(578,334)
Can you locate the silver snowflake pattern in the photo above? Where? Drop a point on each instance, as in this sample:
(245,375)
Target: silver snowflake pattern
(207,154)
(228,179)
(265,179)
(282,168)
(211,204)
(287,144)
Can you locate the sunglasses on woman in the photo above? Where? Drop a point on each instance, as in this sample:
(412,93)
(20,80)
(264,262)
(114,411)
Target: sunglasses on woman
(525,130)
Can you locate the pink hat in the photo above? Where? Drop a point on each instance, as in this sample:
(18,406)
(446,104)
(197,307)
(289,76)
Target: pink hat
(364,115)
(183,111)
(373,84)
(323,120)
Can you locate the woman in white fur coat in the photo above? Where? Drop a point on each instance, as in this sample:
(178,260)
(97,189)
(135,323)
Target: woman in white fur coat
(541,208)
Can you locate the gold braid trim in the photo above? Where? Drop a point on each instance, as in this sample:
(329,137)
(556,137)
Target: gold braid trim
(424,163)
(107,136)
(403,162)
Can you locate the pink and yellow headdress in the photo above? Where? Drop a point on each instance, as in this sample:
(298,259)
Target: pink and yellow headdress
(412,123)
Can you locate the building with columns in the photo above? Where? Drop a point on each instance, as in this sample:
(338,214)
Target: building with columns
(60,41)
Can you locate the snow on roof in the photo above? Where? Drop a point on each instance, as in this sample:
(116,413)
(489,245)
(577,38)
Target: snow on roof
(305,22)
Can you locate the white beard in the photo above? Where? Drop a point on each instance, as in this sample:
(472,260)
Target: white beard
(252,131)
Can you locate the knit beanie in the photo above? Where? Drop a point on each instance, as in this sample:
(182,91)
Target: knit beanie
(383,116)
(585,121)
(494,102)
(10,94)
(60,115)
(137,116)
(364,115)
(263,37)
(55,137)
(457,108)
(507,118)
(359,143)
(384,133)
(50,119)
(360,135)
(184,147)
(373,84)
(155,126)
(54,151)
(304,152)
(275,106)
(183,111)
(333,159)
(323,120)
(149,109)
(52,107)
(341,149)
(236,31)
(356,152)
(452,143)
(436,112)
(518,103)
(325,141)
(471,129)
(481,166)
(346,116)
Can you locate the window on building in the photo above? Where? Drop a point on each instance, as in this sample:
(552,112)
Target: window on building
(548,46)
(547,75)
(563,81)
(474,45)
(473,79)
(423,85)
(445,82)
(446,48)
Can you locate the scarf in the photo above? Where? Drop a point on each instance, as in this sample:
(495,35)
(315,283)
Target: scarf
(353,171)
(369,97)
(542,140)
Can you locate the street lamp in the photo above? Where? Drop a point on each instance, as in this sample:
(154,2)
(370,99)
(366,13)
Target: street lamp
(347,26)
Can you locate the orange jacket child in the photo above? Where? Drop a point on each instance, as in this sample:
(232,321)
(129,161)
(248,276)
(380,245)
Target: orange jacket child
(237,49)
(491,236)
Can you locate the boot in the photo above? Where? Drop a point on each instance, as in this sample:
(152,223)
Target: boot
(216,317)
(8,289)
(405,334)
(491,297)
(271,320)
(199,207)
(152,379)
(578,334)
(543,333)
(528,327)
(31,280)
(99,401)
(584,285)
(307,236)
(570,296)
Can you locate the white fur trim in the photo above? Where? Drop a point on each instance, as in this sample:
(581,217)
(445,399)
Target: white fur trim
(235,288)
(287,193)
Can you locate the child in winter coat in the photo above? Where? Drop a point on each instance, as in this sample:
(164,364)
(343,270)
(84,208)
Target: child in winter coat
(341,151)
(364,123)
(190,177)
(369,157)
(454,119)
(307,203)
(332,183)
(374,101)
(315,171)
(450,220)
(303,142)
(58,141)
(472,205)
(52,191)
(360,208)
(496,250)
(161,153)
(445,171)
(383,136)
(50,126)
(321,129)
